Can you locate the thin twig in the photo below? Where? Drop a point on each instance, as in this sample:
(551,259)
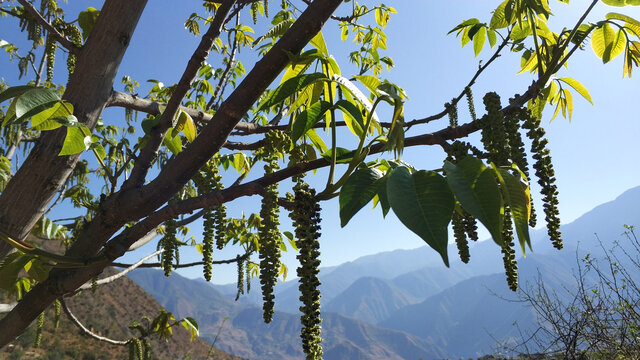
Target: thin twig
(86,331)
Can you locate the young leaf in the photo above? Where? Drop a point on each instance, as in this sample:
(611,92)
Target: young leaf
(308,118)
(477,190)
(173,143)
(423,202)
(357,191)
(352,116)
(479,39)
(290,86)
(577,86)
(74,142)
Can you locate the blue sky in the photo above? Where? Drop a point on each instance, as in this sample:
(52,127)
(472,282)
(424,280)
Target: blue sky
(596,155)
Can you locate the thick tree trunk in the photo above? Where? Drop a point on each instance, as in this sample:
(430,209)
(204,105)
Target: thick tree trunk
(41,175)
(136,202)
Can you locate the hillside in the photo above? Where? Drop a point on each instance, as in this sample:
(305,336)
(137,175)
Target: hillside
(108,312)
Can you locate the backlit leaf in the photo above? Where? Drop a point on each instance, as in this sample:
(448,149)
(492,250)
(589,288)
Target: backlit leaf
(357,192)
(477,190)
(423,203)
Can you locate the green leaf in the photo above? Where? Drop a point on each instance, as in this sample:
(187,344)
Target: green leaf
(33,102)
(57,111)
(14,91)
(86,20)
(352,116)
(621,2)
(308,118)
(291,86)
(357,191)
(516,194)
(343,156)
(190,324)
(75,141)
(577,86)
(173,143)
(606,43)
(291,239)
(423,202)
(370,82)
(318,43)
(478,40)
(477,190)
(10,268)
(186,125)
(499,20)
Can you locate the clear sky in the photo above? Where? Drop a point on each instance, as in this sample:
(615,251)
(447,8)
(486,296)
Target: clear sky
(596,155)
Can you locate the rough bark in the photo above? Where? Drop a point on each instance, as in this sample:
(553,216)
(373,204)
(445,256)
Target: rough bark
(41,175)
(139,201)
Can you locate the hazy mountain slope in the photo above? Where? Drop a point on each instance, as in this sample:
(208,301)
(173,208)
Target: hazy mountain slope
(245,334)
(369,299)
(467,318)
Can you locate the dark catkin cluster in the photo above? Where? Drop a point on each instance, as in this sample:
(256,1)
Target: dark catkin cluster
(470,226)
(460,236)
(75,36)
(269,233)
(169,243)
(509,253)
(39,326)
(266,8)
(546,177)
(240,281)
(518,153)
(494,137)
(472,108)
(306,220)
(496,140)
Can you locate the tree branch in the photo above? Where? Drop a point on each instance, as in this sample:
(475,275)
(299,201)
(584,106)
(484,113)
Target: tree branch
(150,151)
(196,263)
(86,331)
(52,31)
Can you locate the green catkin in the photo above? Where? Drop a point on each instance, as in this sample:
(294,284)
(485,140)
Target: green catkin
(39,327)
(268,232)
(56,319)
(306,220)
(240,280)
(207,242)
(518,153)
(460,237)
(94,284)
(147,349)
(508,252)
(132,350)
(470,226)
(247,270)
(546,177)
(254,12)
(169,245)
(470,104)
(139,350)
(494,137)
(76,38)
(266,8)
(50,47)
(453,114)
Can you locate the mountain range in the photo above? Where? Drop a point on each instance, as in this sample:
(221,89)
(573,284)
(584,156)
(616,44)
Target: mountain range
(401,304)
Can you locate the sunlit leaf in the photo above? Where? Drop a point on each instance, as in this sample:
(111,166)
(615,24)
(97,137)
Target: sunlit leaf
(577,86)
(308,118)
(74,142)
